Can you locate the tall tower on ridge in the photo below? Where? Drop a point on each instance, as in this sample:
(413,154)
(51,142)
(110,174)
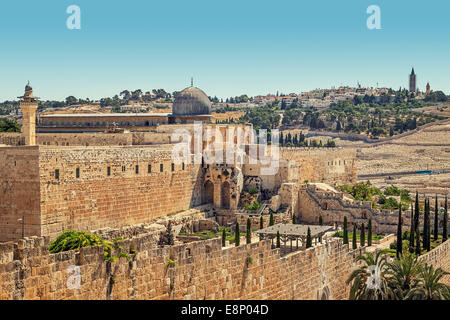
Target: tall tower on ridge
(412,81)
(29,104)
(428,88)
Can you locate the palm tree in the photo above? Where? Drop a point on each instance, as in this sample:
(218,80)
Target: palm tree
(429,287)
(369,281)
(403,274)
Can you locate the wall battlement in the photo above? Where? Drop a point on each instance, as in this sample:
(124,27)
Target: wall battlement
(202,270)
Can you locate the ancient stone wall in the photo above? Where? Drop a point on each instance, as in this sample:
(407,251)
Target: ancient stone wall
(87,188)
(89,139)
(84,139)
(12,138)
(19,192)
(91,188)
(71,139)
(333,207)
(329,165)
(201,270)
(439,257)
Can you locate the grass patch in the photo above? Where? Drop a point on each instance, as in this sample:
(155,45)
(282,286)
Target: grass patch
(210,234)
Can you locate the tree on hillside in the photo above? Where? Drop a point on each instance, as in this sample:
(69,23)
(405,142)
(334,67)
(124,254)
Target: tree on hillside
(7,125)
(224,236)
(418,247)
(425,225)
(436,219)
(249,231)
(308,239)
(261,226)
(399,232)
(354,245)
(70,100)
(426,228)
(345,231)
(445,223)
(271,220)
(362,237)
(278,239)
(416,222)
(237,235)
(411,231)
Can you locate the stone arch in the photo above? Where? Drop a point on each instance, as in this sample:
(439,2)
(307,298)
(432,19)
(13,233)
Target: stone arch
(225,195)
(208,195)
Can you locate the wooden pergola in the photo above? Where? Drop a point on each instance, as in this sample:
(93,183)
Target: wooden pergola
(291,232)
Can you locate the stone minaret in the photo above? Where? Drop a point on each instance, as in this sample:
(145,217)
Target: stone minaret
(29,105)
(412,81)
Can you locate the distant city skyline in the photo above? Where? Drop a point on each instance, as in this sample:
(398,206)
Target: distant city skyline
(230,49)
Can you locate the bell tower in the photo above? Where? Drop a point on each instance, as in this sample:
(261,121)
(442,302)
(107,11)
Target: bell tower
(28,105)
(412,81)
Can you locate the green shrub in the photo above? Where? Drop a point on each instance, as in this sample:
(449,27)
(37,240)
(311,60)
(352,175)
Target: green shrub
(253,190)
(253,207)
(74,240)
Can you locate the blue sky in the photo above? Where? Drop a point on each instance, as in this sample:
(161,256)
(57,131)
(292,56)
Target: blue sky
(229,47)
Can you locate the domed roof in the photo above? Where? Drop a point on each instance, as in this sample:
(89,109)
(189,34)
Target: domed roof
(28,89)
(191,101)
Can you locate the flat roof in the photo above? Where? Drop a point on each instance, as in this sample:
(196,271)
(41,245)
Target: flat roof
(294,230)
(75,115)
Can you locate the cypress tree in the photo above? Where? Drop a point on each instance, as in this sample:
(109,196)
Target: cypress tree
(416,213)
(345,231)
(445,222)
(436,219)
(428,225)
(278,239)
(170,238)
(294,219)
(249,231)
(411,231)
(425,225)
(417,248)
(362,237)
(354,237)
(224,236)
(308,239)
(261,226)
(320,221)
(399,232)
(237,235)
(369,233)
(271,221)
